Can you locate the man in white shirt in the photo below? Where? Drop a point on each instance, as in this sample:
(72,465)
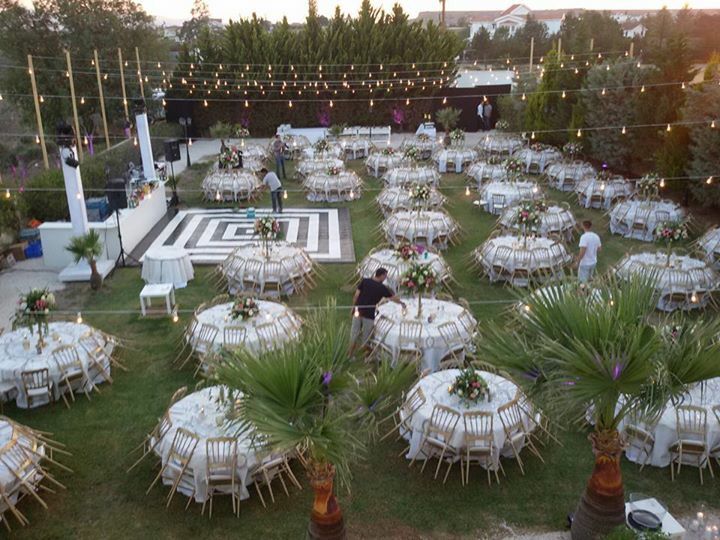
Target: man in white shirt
(481,122)
(272,182)
(590,244)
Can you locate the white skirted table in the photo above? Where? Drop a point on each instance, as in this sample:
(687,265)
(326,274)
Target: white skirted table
(500,143)
(167,264)
(564,175)
(425,144)
(397,266)
(425,227)
(409,176)
(253,165)
(295,145)
(598,193)
(454,159)
(357,148)
(392,199)
(253,152)
(333,150)
(231,185)
(283,270)
(522,260)
(439,319)
(435,388)
(682,282)
(639,218)
(495,197)
(315,165)
(709,243)
(485,171)
(556,222)
(380,162)
(536,160)
(326,187)
(18,354)
(273,326)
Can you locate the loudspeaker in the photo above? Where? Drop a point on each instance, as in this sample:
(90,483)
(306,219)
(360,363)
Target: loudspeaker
(116,194)
(172,150)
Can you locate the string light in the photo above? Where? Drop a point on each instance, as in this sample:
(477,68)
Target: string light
(579,133)
(709,180)
(37,139)
(467,190)
(603,92)
(668,128)
(7,193)
(532,135)
(662,182)
(642,88)
(285,194)
(42,99)
(290,104)
(189,142)
(331,104)
(712,124)
(135,141)
(79,318)
(205,103)
(563,94)
(175,316)
(623,130)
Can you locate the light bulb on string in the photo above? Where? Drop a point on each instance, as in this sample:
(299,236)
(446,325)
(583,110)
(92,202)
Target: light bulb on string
(217,195)
(683,85)
(135,141)
(331,104)
(523,96)
(662,182)
(563,94)
(285,194)
(189,142)
(7,193)
(372,103)
(532,135)
(603,92)
(642,88)
(407,101)
(175,316)
(290,104)
(579,133)
(709,180)
(712,123)
(79,318)
(37,139)
(444,101)
(668,128)
(42,99)
(467,190)
(623,130)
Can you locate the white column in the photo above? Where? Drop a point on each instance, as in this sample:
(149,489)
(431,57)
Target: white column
(143,135)
(74,192)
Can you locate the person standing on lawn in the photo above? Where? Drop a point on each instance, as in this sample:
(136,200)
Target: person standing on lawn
(590,244)
(278,148)
(272,182)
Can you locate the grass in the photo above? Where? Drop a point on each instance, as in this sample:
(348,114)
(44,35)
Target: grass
(388,499)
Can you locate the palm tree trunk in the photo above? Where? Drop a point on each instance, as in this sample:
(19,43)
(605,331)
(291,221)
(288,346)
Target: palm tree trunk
(95,277)
(602,506)
(326,520)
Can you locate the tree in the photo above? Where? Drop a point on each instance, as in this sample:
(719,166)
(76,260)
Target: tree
(602,356)
(88,247)
(605,31)
(309,397)
(199,19)
(448,118)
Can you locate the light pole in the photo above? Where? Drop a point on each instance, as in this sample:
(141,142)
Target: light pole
(186,123)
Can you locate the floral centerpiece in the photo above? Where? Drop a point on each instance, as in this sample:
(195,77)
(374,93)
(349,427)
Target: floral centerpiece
(457,136)
(648,187)
(141,193)
(33,309)
(267,228)
(529,214)
(322,145)
(537,147)
(514,168)
(470,387)
(419,279)
(412,153)
(420,194)
(409,252)
(423,137)
(572,149)
(240,132)
(388,151)
(669,232)
(333,171)
(229,158)
(244,309)
(502,125)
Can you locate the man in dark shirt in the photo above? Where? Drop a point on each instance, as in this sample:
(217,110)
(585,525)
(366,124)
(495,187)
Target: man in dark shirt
(367,296)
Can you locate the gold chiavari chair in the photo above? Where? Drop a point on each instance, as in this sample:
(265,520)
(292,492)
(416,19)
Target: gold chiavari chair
(437,437)
(269,468)
(154,438)
(402,417)
(72,374)
(691,447)
(234,337)
(37,386)
(221,471)
(480,444)
(96,358)
(267,335)
(177,463)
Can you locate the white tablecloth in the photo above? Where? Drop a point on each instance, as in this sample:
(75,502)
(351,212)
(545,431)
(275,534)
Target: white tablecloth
(458,157)
(420,226)
(334,151)
(710,244)
(295,145)
(556,221)
(396,267)
(269,313)
(564,175)
(537,160)
(230,185)
(426,146)
(435,387)
(378,163)
(542,257)
(408,176)
(440,312)
(608,191)
(685,275)
(323,187)
(512,191)
(626,213)
(500,143)
(482,171)
(18,354)
(309,166)
(167,264)
(398,198)
(253,152)
(665,432)
(357,148)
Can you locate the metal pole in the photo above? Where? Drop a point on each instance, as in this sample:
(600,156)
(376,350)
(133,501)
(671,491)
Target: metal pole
(532,51)
(592,44)
(38,116)
(122,83)
(139,71)
(76,120)
(102,99)
(632,49)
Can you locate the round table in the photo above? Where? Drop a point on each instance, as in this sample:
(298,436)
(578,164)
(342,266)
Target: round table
(295,145)
(18,354)
(408,176)
(285,325)
(396,266)
(564,175)
(704,395)
(378,163)
(710,244)
(557,291)
(392,199)
(247,268)
(434,314)
(324,187)
(425,227)
(252,165)
(557,222)
(685,283)
(456,158)
(483,171)
(231,185)
(356,148)
(500,143)
(253,151)
(497,196)
(435,387)
(426,146)
(519,261)
(309,166)
(596,193)
(334,150)
(536,160)
(167,264)
(639,218)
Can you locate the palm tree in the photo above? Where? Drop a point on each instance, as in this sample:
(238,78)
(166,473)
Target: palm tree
(311,398)
(574,352)
(88,247)
(448,119)
(442,14)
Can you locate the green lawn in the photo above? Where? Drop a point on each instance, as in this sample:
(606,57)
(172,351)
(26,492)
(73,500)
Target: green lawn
(388,499)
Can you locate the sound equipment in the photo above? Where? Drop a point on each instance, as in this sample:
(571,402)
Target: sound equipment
(172,150)
(116,194)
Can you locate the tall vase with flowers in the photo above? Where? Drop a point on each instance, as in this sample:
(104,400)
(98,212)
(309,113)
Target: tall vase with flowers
(33,310)
(419,279)
(267,228)
(671,232)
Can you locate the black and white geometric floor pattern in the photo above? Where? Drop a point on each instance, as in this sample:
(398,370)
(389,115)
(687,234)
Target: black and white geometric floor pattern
(210,235)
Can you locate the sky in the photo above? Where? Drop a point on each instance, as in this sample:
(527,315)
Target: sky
(295,10)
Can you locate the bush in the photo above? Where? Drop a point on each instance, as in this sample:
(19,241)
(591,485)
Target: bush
(46,205)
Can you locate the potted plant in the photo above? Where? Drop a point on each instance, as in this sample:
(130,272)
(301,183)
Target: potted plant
(309,397)
(604,361)
(336,130)
(448,119)
(88,247)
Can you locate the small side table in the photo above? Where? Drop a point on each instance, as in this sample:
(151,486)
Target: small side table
(157,290)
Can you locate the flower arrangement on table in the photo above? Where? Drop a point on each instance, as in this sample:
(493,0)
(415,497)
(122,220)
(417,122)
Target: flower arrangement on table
(229,158)
(420,194)
(388,151)
(457,136)
(604,175)
(572,149)
(33,309)
(412,153)
(648,187)
(141,193)
(423,137)
(333,171)
(470,387)
(419,279)
(529,214)
(322,145)
(240,132)
(502,125)
(244,309)
(538,147)
(514,167)
(267,228)
(670,232)
(409,252)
